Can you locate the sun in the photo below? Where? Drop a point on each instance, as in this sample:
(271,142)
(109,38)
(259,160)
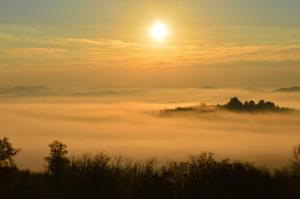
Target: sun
(159,31)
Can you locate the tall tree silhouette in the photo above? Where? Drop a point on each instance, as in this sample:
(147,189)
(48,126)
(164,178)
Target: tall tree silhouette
(57,159)
(234,104)
(7,152)
(296,161)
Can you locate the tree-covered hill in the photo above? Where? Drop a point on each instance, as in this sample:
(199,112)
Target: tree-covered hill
(234,105)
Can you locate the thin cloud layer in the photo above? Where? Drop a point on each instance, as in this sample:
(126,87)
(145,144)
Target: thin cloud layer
(117,53)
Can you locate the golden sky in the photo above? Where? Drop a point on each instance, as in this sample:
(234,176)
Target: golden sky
(100,43)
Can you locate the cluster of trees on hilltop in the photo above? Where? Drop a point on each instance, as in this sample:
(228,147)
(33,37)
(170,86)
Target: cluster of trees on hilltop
(104,176)
(234,105)
(250,106)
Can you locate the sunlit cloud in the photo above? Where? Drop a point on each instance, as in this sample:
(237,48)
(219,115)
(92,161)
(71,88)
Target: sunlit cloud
(4,36)
(116,53)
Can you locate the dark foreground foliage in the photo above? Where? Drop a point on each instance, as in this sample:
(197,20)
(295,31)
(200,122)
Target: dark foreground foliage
(102,176)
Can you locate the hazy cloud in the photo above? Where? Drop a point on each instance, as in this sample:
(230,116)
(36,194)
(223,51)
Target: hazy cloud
(117,53)
(128,124)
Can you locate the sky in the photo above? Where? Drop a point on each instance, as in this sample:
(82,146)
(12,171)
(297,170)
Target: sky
(59,58)
(97,43)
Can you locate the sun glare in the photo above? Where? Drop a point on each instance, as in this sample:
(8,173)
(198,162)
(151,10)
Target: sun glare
(159,31)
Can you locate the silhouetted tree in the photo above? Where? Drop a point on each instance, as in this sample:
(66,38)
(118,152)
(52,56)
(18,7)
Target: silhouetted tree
(7,152)
(234,104)
(250,106)
(261,104)
(57,159)
(295,162)
(104,176)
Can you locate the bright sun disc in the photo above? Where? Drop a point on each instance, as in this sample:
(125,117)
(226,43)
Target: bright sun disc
(159,31)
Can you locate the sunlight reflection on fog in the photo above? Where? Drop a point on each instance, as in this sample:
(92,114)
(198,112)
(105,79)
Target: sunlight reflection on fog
(126,124)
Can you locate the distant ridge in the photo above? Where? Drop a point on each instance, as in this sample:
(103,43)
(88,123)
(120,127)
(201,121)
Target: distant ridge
(289,89)
(207,87)
(24,90)
(36,91)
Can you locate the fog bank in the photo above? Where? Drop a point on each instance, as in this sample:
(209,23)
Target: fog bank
(127,124)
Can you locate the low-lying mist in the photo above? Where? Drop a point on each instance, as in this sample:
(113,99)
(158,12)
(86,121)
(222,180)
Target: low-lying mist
(126,122)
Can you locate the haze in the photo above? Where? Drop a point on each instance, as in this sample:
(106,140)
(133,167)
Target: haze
(127,122)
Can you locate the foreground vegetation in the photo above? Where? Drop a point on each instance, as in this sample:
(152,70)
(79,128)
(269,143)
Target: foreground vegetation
(103,176)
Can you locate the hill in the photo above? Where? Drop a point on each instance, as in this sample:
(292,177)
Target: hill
(234,105)
(289,89)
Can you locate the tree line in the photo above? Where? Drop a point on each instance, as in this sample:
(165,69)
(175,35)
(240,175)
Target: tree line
(105,176)
(235,104)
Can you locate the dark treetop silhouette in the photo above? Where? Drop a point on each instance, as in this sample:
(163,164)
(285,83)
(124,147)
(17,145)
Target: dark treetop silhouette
(103,176)
(234,105)
(7,152)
